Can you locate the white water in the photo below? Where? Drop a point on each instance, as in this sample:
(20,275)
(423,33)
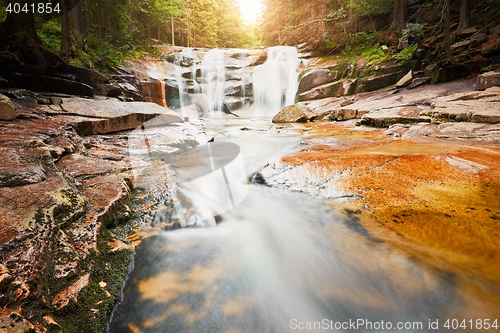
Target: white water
(186,54)
(278,258)
(214,71)
(275,82)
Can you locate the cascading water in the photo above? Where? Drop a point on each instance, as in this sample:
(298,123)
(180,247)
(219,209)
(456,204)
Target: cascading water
(275,82)
(186,58)
(214,74)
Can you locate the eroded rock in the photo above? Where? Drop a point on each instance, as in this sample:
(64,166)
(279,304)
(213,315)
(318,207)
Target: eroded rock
(7,111)
(295,113)
(487,80)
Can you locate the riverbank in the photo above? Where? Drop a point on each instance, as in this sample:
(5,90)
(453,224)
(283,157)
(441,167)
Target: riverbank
(66,193)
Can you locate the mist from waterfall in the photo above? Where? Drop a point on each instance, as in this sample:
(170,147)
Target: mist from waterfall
(275,82)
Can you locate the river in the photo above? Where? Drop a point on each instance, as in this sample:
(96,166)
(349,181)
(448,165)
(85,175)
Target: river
(252,258)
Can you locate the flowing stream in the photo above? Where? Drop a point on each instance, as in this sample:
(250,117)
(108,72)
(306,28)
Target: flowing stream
(272,260)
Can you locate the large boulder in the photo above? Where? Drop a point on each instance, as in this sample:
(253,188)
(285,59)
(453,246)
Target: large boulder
(317,77)
(295,113)
(7,111)
(487,80)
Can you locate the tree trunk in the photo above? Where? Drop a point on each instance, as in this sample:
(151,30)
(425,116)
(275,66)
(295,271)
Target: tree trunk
(86,15)
(400,14)
(78,21)
(464,14)
(22,40)
(65,32)
(173,32)
(447,34)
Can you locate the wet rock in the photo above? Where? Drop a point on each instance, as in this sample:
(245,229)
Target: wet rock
(340,115)
(154,91)
(15,323)
(112,115)
(77,165)
(495,30)
(295,113)
(5,280)
(398,115)
(7,111)
(488,80)
(258,57)
(17,170)
(131,91)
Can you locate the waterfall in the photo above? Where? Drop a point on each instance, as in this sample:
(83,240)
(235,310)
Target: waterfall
(275,81)
(185,65)
(214,73)
(227,81)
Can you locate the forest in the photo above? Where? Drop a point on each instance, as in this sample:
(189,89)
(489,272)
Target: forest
(99,35)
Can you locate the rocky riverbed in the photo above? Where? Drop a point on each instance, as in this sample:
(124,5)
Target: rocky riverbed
(426,182)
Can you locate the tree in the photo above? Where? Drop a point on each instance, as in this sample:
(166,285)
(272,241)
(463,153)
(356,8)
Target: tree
(447,34)
(464,20)
(22,40)
(400,14)
(65,31)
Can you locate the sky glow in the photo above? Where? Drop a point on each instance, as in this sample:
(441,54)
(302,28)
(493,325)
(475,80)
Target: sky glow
(250,10)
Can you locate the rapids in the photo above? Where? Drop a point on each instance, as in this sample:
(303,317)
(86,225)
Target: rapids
(251,258)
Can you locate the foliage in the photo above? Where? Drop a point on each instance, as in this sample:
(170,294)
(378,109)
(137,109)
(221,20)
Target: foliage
(415,30)
(3,14)
(320,21)
(490,67)
(49,33)
(374,54)
(406,54)
(114,30)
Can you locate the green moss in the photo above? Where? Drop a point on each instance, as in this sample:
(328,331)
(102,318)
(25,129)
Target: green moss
(405,55)
(93,309)
(91,312)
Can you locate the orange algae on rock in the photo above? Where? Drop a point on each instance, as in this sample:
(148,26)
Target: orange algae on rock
(436,199)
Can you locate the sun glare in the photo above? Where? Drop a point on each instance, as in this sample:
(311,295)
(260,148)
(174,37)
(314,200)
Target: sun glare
(250,10)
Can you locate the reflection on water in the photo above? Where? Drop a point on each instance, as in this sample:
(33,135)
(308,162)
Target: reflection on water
(280,262)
